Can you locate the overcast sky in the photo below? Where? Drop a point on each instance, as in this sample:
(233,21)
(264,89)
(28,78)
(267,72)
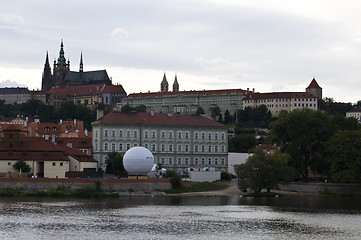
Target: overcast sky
(269,45)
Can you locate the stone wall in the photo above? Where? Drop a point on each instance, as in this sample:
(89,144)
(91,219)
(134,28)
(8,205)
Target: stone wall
(319,187)
(73,184)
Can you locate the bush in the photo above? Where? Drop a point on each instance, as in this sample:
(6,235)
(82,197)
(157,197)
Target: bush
(225,176)
(175,178)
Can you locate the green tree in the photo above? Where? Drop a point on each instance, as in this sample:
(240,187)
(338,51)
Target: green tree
(141,108)
(200,110)
(343,153)
(215,112)
(254,117)
(21,165)
(242,143)
(115,164)
(227,117)
(70,111)
(301,133)
(263,171)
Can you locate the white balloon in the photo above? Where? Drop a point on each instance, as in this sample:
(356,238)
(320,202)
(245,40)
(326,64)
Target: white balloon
(138,161)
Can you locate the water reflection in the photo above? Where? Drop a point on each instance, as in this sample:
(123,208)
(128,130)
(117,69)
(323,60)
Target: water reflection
(187,217)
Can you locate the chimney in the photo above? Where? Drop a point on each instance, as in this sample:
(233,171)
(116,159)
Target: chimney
(100,114)
(152,113)
(86,132)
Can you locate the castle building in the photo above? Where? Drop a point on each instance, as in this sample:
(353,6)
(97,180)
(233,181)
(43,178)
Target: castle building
(186,102)
(277,102)
(177,141)
(63,77)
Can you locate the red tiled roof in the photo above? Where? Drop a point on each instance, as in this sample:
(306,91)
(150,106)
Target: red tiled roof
(114,89)
(159,119)
(77,154)
(313,84)
(279,95)
(204,92)
(76,142)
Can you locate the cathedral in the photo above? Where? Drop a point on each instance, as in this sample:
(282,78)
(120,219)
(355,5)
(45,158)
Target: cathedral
(62,77)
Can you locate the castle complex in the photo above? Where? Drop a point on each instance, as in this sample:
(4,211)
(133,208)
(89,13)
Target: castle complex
(62,76)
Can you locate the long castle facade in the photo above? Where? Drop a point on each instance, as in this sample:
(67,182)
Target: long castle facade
(62,76)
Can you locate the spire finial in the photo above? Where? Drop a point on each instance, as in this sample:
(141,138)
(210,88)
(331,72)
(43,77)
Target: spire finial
(81,62)
(61,59)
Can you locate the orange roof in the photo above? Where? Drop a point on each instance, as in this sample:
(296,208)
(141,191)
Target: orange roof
(313,84)
(159,119)
(83,90)
(204,92)
(114,89)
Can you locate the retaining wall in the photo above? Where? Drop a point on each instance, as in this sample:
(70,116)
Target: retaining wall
(72,184)
(319,187)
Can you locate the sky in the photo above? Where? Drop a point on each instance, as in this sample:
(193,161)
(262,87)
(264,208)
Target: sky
(268,45)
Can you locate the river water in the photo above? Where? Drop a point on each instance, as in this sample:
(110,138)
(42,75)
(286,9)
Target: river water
(158,217)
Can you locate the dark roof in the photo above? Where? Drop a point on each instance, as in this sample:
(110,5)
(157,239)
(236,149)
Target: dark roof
(16,90)
(358,109)
(159,119)
(79,78)
(83,90)
(114,89)
(313,84)
(279,95)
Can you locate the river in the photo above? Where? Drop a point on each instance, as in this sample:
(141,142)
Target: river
(159,217)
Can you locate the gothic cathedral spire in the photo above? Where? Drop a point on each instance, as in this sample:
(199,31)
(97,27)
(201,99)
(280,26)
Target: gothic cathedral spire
(46,80)
(61,59)
(175,85)
(81,62)
(164,84)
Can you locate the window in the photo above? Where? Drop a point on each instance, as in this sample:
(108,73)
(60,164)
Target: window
(170,148)
(106,146)
(153,147)
(54,164)
(196,162)
(163,147)
(203,149)
(203,161)
(209,148)
(128,134)
(215,148)
(162,160)
(113,133)
(223,136)
(196,136)
(186,161)
(209,136)
(146,135)
(186,148)
(96,134)
(120,133)
(9,163)
(105,133)
(179,148)
(203,136)
(113,146)
(196,148)
(96,147)
(187,135)
(179,161)
(170,135)
(179,135)
(222,161)
(128,146)
(170,161)
(120,146)
(135,144)
(146,145)
(163,134)
(135,134)
(61,164)
(216,136)
(153,134)
(209,161)
(216,161)
(223,148)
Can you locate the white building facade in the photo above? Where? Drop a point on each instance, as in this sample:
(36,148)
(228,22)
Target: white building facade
(177,141)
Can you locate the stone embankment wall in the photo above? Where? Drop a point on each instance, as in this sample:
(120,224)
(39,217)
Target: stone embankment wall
(319,187)
(73,184)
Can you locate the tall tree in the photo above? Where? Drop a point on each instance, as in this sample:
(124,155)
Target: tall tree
(301,133)
(215,112)
(115,164)
(343,153)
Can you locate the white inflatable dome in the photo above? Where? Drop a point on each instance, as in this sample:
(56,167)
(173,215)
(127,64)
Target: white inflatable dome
(138,161)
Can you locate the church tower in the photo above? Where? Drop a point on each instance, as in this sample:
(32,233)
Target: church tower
(81,63)
(47,77)
(60,68)
(175,85)
(164,84)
